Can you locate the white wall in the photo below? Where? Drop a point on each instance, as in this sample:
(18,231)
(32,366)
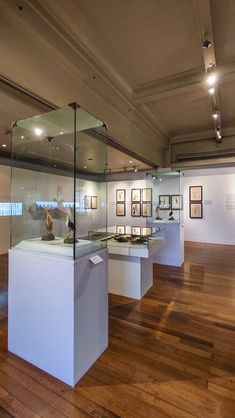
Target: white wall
(5,193)
(218,222)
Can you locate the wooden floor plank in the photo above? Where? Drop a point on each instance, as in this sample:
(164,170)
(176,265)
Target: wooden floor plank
(170,355)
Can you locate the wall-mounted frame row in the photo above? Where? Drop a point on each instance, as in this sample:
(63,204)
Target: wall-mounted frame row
(90,202)
(173,202)
(137,209)
(137,195)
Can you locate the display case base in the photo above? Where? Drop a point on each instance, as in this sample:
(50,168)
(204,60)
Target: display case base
(58,312)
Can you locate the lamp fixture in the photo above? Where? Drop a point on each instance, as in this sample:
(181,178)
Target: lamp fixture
(211,90)
(211,79)
(135,170)
(38,131)
(130,161)
(215,114)
(4,145)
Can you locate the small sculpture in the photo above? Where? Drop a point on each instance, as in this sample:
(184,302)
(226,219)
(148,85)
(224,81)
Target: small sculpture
(158,217)
(49,224)
(70,238)
(171,217)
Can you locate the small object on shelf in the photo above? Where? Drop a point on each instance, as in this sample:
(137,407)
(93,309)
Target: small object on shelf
(49,224)
(70,238)
(171,217)
(158,217)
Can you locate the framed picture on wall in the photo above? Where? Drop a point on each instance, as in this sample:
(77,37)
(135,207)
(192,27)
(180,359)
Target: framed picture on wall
(147,209)
(147,195)
(120,229)
(135,230)
(120,209)
(93,202)
(146,230)
(164,201)
(87,202)
(195,193)
(120,195)
(135,209)
(195,210)
(135,195)
(176,202)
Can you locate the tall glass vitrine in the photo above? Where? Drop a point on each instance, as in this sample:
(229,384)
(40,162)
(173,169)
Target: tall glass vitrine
(59,162)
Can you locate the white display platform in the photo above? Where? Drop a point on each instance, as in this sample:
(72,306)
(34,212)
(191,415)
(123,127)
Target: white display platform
(130,267)
(172,252)
(58,312)
(58,247)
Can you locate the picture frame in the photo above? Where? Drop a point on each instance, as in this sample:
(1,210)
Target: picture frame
(87,202)
(164,201)
(146,209)
(135,230)
(147,194)
(120,229)
(120,195)
(136,209)
(120,209)
(94,200)
(195,193)
(146,230)
(176,202)
(195,210)
(135,195)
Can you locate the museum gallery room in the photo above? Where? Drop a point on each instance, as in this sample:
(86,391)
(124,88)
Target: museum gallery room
(117,208)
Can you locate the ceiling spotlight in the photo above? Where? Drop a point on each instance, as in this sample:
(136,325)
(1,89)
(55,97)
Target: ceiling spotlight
(218,134)
(211,90)
(215,114)
(4,145)
(130,161)
(135,170)
(38,131)
(206,44)
(160,179)
(22,136)
(153,177)
(61,133)
(211,79)
(84,166)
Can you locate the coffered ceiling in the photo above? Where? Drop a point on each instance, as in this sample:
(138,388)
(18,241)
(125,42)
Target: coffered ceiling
(139,65)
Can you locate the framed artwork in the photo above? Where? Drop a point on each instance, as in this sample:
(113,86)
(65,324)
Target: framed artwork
(147,209)
(195,210)
(135,230)
(120,229)
(120,209)
(87,202)
(93,202)
(135,195)
(195,193)
(146,230)
(164,201)
(135,209)
(120,195)
(176,202)
(147,195)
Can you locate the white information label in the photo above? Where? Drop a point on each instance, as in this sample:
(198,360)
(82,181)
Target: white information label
(230,201)
(96,259)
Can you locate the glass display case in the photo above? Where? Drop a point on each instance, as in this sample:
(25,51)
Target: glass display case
(128,236)
(167,196)
(59,162)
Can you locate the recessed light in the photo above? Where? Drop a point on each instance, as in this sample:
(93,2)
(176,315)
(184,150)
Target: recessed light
(84,166)
(211,90)
(4,145)
(211,79)
(22,136)
(130,161)
(215,115)
(38,131)
(61,133)
(135,170)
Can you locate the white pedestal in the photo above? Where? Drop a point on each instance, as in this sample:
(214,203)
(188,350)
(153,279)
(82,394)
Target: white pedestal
(58,312)
(130,268)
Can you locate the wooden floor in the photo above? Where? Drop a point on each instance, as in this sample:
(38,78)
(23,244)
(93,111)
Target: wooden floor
(170,355)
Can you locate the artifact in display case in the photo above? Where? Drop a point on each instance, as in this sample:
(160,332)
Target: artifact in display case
(171,216)
(59,162)
(49,224)
(158,217)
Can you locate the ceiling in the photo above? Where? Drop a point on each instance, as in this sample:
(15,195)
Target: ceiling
(138,65)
